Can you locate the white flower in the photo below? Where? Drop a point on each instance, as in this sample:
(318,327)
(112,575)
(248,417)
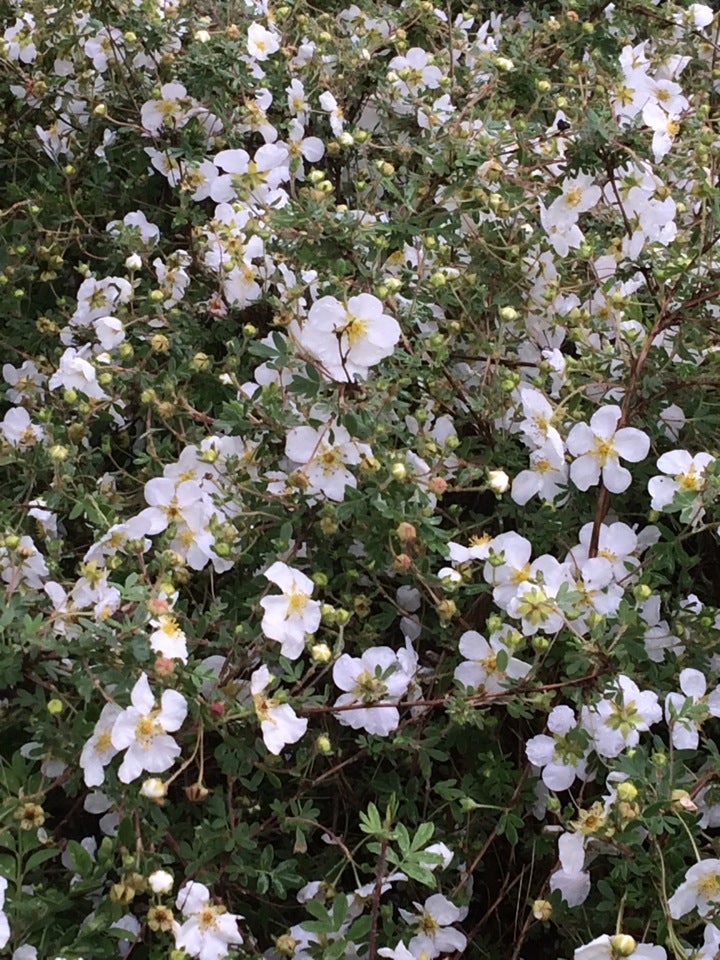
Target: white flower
(510,566)
(684,473)
(598,448)
(535,598)
(75,373)
(279,723)
(432,922)
(698,15)
(617,543)
(4,925)
(330,105)
(168,639)
(608,948)
(700,890)
(99,750)
(684,730)
(562,755)
(572,880)
(169,110)
(480,671)
(291,615)
(379,676)
(261,43)
(18,429)
(617,720)
(665,127)
(209,930)
(546,478)
(348,340)
(324,454)
(142,731)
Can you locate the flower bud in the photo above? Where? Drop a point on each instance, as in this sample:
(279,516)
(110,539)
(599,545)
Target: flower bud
(446,610)
(406,532)
(323,744)
(622,944)
(321,653)
(498,481)
(437,485)
(154,789)
(58,452)
(542,909)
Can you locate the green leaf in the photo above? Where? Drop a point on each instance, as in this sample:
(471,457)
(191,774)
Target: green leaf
(80,859)
(40,856)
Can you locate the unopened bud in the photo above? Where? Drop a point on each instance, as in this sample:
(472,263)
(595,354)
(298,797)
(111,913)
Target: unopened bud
(542,909)
(623,944)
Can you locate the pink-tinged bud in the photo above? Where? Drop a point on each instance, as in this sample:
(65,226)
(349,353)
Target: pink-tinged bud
(406,531)
(438,486)
(164,667)
(218,708)
(158,605)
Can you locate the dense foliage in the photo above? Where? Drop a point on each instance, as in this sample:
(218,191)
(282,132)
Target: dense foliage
(358,480)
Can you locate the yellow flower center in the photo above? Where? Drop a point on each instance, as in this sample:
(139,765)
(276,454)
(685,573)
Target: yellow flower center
(355,329)
(368,687)
(146,728)
(297,601)
(520,574)
(573,196)
(603,450)
(709,886)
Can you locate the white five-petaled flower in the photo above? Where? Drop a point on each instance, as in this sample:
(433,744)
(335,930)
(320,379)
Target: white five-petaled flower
(348,339)
(19,430)
(261,42)
(618,719)
(700,890)
(683,473)
(209,930)
(685,730)
(599,447)
(168,639)
(480,670)
(142,731)
(291,615)
(562,755)
(279,723)
(379,676)
(324,454)
(433,920)
(99,750)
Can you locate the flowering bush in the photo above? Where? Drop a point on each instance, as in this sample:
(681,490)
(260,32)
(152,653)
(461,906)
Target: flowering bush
(360,492)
